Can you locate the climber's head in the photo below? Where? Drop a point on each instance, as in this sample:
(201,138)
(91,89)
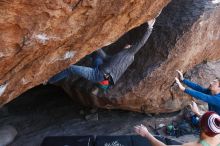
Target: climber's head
(210,124)
(215,85)
(106,76)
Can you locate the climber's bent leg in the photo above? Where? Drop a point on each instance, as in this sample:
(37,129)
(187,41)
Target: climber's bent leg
(63,74)
(91,74)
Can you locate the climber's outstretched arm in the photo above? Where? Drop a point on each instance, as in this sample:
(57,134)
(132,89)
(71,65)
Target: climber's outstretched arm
(138,45)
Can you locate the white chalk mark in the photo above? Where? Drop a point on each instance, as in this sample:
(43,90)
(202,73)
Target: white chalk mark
(69,55)
(24,81)
(215,1)
(42,38)
(65,56)
(2,88)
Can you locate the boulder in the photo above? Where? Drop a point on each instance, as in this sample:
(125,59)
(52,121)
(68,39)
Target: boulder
(186,34)
(39,38)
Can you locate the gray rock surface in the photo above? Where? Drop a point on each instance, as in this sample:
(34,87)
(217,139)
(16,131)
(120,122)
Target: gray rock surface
(7,135)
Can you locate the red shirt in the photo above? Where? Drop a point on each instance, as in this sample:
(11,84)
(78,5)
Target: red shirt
(104,82)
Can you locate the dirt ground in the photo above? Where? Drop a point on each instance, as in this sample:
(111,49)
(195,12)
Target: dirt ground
(48,111)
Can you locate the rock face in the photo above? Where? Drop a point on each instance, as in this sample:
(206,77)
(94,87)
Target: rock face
(204,72)
(39,38)
(186,34)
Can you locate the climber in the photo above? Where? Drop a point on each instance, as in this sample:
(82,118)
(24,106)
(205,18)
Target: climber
(210,95)
(209,126)
(107,70)
(91,73)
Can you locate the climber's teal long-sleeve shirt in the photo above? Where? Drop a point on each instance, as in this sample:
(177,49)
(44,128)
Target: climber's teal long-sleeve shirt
(203,94)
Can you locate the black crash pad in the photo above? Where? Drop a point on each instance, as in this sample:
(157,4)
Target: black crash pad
(68,141)
(113,141)
(141,141)
(129,140)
